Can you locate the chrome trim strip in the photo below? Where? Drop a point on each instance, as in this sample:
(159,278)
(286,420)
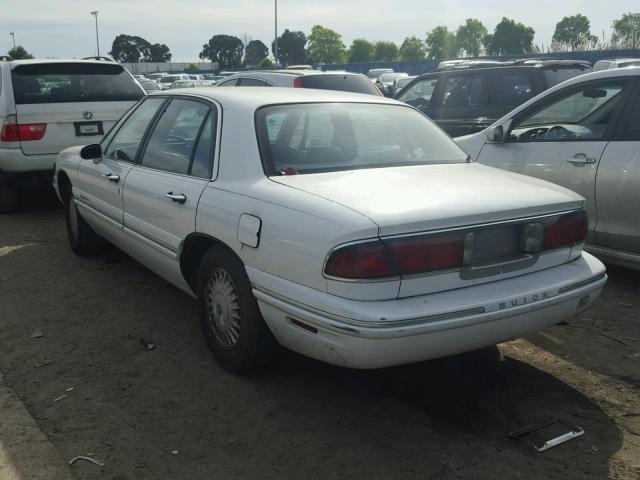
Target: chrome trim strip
(583,283)
(162,248)
(363,323)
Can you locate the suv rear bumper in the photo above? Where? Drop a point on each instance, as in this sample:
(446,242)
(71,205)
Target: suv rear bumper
(13,160)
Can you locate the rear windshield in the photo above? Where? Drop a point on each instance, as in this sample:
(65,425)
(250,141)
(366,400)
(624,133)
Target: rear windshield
(346,83)
(73,82)
(329,137)
(559,75)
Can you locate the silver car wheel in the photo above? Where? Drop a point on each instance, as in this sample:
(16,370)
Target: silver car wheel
(223,308)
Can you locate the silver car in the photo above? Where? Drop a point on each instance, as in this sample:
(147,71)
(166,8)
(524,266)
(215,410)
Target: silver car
(330,80)
(583,134)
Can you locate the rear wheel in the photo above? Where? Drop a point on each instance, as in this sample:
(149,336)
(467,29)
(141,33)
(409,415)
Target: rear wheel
(84,241)
(231,321)
(8,198)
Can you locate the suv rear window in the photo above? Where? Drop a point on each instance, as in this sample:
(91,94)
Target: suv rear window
(345,83)
(73,82)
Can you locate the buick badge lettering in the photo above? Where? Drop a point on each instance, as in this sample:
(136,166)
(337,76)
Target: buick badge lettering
(87,115)
(516,302)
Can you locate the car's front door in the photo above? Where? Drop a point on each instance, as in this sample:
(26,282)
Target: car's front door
(562,137)
(618,185)
(98,190)
(161,193)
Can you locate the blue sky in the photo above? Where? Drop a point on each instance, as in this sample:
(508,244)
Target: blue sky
(65,28)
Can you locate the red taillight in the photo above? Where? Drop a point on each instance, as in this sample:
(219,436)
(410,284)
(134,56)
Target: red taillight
(362,261)
(297,82)
(427,253)
(15,132)
(566,230)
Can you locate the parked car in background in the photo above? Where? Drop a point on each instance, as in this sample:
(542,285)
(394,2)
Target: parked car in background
(374,73)
(385,82)
(583,134)
(186,84)
(150,86)
(610,63)
(400,83)
(49,105)
(299,67)
(140,78)
(348,228)
(167,80)
(329,80)
(465,99)
(213,78)
(156,76)
(196,77)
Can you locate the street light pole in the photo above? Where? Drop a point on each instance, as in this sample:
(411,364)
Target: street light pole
(275,48)
(13,37)
(95,14)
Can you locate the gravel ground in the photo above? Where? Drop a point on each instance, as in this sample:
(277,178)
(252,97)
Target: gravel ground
(70,331)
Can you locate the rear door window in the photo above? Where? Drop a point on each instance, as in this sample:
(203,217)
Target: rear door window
(510,88)
(345,83)
(73,82)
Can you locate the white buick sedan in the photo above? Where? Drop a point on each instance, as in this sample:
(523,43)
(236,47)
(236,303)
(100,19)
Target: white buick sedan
(346,227)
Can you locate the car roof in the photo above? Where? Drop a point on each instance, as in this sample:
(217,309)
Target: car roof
(453,65)
(16,63)
(289,73)
(619,59)
(253,98)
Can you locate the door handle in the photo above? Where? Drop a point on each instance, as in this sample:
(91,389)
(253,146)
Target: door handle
(176,197)
(112,177)
(581,159)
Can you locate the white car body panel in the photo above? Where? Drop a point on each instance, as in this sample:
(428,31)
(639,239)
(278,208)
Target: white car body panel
(302,218)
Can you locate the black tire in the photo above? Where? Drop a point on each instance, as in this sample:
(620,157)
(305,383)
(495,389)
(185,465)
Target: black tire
(8,199)
(83,240)
(249,344)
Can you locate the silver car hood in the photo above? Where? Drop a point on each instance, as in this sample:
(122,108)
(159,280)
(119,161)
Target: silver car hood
(431,197)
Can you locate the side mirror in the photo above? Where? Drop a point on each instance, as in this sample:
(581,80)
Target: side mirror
(495,134)
(91,152)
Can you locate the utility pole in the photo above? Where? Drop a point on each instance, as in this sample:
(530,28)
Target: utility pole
(95,14)
(13,36)
(275,47)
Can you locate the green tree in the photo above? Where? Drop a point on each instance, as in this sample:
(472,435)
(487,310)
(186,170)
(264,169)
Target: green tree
(192,67)
(361,50)
(627,30)
(254,52)
(224,49)
(158,52)
(266,63)
(129,49)
(509,38)
(441,44)
(19,53)
(325,46)
(291,49)
(573,31)
(385,51)
(412,48)
(470,35)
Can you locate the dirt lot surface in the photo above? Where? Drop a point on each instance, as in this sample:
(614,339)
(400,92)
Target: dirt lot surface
(69,347)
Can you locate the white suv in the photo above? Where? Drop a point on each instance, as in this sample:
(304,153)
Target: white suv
(49,105)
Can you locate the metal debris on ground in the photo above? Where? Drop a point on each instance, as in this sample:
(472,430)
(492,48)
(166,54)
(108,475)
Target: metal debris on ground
(574,432)
(70,389)
(37,333)
(146,344)
(175,452)
(87,459)
(57,399)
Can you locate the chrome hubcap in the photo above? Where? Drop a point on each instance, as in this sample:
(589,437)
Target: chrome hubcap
(223,308)
(73,218)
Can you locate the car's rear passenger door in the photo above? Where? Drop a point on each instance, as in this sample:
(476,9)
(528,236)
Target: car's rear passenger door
(162,191)
(618,184)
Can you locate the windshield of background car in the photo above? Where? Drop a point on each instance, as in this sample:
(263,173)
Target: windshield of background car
(73,82)
(559,75)
(330,137)
(419,94)
(345,83)
(390,77)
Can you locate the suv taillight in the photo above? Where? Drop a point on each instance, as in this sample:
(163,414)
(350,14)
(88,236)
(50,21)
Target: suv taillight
(12,131)
(297,82)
